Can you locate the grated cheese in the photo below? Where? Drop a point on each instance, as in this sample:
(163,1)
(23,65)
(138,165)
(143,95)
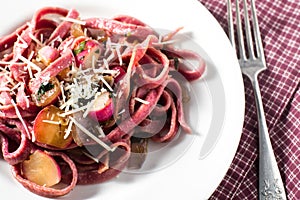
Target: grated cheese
(90,156)
(66,46)
(57,39)
(70,102)
(93,61)
(111,71)
(69,129)
(4,89)
(89,105)
(160,37)
(16,86)
(164,42)
(101,132)
(76,21)
(51,122)
(42,38)
(24,43)
(7,63)
(141,100)
(21,119)
(119,54)
(27,101)
(105,62)
(24,46)
(29,71)
(9,79)
(108,46)
(62,91)
(105,71)
(111,57)
(52,116)
(106,83)
(35,39)
(73,111)
(122,111)
(85,31)
(31,64)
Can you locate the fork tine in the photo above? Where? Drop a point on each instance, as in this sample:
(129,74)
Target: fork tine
(257,36)
(230,24)
(240,32)
(248,31)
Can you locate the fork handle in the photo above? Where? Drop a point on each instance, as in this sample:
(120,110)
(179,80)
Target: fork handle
(270,182)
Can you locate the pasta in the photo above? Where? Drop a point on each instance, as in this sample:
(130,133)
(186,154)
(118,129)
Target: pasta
(82,94)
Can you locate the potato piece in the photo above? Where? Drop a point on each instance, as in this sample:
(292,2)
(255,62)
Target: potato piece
(47,54)
(41,169)
(49,128)
(48,93)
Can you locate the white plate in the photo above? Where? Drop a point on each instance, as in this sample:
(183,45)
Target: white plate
(215,112)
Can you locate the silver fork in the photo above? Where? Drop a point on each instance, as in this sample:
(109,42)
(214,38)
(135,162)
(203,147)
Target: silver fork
(252,62)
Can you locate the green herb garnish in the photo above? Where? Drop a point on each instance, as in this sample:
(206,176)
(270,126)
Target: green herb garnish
(43,89)
(80,47)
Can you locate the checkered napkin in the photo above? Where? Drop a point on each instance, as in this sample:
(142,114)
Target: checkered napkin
(279,21)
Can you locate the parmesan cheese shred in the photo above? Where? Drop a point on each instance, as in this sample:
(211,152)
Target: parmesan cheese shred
(82,89)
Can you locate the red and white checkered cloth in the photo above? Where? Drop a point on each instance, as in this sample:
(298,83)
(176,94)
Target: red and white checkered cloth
(279,21)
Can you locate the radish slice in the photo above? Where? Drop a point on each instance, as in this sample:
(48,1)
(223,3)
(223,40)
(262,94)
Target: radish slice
(87,53)
(102,108)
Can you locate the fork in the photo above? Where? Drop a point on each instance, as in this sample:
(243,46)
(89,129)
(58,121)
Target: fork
(252,62)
